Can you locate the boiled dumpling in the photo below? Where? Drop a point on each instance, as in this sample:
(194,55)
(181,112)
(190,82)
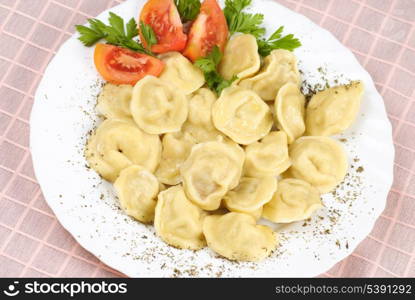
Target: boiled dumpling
(176,148)
(200,106)
(211,170)
(137,191)
(117,144)
(199,122)
(241,115)
(202,134)
(321,161)
(294,200)
(289,111)
(178,221)
(251,194)
(240,58)
(257,214)
(158,106)
(236,236)
(333,110)
(114,101)
(181,72)
(280,67)
(267,157)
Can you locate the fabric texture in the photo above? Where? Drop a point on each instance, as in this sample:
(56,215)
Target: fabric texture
(381,33)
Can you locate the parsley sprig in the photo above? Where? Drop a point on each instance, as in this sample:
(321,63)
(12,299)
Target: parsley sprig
(148,33)
(188,9)
(209,65)
(277,41)
(116,33)
(239,21)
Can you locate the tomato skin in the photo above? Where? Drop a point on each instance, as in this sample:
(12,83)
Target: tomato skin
(122,66)
(164,19)
(209,29)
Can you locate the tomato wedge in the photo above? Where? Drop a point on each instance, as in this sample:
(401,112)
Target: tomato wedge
(209,29)
(163,17)
(122,66)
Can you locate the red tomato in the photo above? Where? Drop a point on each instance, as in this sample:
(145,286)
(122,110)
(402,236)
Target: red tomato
(209,29)
(163,17)
(122,66)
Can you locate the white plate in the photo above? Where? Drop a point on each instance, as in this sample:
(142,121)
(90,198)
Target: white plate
(63,114)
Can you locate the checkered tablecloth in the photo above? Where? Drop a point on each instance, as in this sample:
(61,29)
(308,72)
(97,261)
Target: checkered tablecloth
(381,33)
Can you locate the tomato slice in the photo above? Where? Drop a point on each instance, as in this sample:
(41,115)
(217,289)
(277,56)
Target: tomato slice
(163,17)
(122,66)
(209,29)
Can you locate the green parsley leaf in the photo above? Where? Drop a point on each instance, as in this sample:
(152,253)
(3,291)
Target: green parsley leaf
(96,25)
(88,36)
(136,46)
(148,34)
(276,41)
(239,21)
(224,84)
(112,36)
(188,9)
(115,33)
(246,23)
(288,42)
(117,23)
(132,28)
(277,34)
(208,65)
(236,5)
(215,55)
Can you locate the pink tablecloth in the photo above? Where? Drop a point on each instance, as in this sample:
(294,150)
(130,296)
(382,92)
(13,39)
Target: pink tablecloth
(381,33)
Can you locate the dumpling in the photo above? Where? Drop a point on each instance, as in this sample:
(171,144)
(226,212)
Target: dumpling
(257,214)
(200,106)
(211,170)
(251,194)
(289,111)
(158,106)
(294,200)
(267,157)
(137,191)
(178,221)
(202,134)
(176,149)
(117,144)
(181,72)
(333,110)
(241,115)
(240,58)
(279,68)
(114,101)
(321,161)
(199,122)
(236,236)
